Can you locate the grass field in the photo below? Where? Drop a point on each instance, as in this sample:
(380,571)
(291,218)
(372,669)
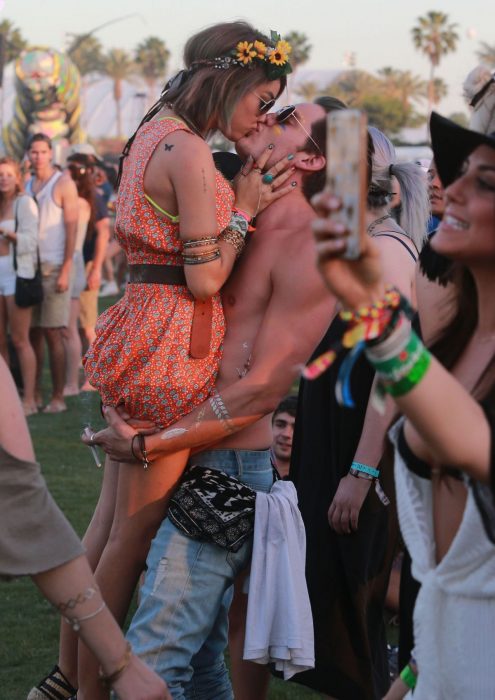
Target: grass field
(28,624)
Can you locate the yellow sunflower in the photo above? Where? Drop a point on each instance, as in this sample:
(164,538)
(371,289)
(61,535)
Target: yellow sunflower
(260,49)
(279,56)
(284,46)
(245,52)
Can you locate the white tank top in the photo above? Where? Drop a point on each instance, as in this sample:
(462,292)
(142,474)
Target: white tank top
(52,228)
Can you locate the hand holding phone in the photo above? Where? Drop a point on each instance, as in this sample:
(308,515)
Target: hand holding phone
(347,149)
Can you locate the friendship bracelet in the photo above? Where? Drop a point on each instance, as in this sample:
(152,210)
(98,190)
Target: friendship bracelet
(242,213)
(408,676)
(238,223)
(75,622)
(108,680)
(364,469)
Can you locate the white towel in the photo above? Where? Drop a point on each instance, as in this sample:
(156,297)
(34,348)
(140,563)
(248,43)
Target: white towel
(279,624)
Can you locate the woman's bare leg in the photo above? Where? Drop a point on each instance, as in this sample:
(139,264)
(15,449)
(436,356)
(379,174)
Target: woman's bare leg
(250,681)
(73,351)
(4,350)
(20,321)
(94,542)
(142,497)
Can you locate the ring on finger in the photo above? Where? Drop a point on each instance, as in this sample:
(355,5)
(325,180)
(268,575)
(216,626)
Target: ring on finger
(92,438)
(257,170)
(267,178)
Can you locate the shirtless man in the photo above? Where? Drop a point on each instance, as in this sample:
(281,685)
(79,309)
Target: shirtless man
(276,310)
(57,199)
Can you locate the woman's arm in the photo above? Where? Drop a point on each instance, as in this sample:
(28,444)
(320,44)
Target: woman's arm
(451,424)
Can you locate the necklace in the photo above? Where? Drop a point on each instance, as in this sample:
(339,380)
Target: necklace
(376,223)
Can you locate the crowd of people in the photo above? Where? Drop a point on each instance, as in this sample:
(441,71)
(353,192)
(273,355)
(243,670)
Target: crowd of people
(257,519)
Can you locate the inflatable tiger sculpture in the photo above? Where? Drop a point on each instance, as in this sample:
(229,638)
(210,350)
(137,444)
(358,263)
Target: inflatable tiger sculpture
(47,86)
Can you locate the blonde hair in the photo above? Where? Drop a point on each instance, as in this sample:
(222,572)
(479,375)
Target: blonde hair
(19,186)
(413,187)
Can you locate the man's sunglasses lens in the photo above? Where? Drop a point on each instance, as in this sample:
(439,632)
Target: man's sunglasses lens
(286,112)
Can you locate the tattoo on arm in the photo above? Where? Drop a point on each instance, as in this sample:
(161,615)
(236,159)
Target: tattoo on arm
(204,180)
(169,146)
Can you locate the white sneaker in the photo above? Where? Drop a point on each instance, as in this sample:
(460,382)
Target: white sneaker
(109,289)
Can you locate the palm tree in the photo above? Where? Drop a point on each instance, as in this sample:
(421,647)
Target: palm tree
(12,40)
(86,52)
(118,65)
(301,48)
(402,84)
(307,91)
(151,58)
(486,54)
(440,90)
(435,37)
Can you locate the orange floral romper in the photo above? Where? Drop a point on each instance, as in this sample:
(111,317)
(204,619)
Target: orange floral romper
(140,356)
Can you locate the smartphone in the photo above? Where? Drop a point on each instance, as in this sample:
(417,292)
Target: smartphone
(347,158)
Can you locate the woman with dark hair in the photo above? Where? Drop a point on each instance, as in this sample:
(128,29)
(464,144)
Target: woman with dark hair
(444,447)
(351,534)
(81,174)
(182,226)
(19,241)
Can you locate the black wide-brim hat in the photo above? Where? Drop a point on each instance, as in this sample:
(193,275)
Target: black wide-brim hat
(452,144)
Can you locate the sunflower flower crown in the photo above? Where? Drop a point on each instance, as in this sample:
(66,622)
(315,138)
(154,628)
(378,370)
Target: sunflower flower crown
(250,54)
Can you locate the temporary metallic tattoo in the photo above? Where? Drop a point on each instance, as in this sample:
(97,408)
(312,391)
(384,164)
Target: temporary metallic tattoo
(172,433)
(80,598)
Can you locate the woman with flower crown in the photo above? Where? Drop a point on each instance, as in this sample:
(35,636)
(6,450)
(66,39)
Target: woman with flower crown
(157,351)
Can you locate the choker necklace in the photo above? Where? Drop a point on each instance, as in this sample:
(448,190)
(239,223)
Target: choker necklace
(376,223)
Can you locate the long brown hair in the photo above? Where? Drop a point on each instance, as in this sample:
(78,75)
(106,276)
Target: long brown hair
(206,95)
(19,183)
(81,173)
(454,338)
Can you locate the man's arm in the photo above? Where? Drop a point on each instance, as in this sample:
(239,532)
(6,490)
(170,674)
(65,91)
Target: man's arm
(102,227)
(66,194)
(295,320)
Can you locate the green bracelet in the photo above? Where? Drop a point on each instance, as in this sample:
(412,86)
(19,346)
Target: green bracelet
(408,676)
(415,375)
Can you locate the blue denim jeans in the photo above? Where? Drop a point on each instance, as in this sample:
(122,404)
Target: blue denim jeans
(180,628)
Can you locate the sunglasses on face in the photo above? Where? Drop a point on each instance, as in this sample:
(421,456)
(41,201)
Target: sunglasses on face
(265,105)
(285,113)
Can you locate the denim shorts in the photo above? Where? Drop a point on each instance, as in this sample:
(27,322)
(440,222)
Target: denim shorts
(180,628)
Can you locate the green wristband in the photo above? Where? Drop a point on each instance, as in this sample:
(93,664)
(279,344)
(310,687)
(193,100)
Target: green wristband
(413,378)
(394,365)
(408,676)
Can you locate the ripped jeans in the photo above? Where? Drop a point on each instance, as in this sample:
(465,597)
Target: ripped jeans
(180,628)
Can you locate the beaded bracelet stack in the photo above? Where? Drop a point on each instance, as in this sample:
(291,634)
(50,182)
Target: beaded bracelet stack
(234,234)
(394,350)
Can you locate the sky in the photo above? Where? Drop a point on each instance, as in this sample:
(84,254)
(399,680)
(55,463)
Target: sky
(378,32)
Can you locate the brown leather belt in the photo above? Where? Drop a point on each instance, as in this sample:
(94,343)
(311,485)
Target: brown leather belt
(199,347)
(157,274)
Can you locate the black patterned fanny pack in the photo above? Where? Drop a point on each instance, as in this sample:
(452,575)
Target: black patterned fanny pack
(212,506)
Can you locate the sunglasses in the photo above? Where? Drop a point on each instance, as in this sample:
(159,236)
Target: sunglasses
(284,114)
(265,105)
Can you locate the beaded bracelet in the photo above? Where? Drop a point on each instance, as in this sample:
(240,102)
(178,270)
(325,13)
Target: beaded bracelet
(233,238)
(408,676)
(75,622)
(144,451)
(108,680)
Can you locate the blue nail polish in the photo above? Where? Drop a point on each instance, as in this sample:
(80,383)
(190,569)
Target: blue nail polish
(290,156)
